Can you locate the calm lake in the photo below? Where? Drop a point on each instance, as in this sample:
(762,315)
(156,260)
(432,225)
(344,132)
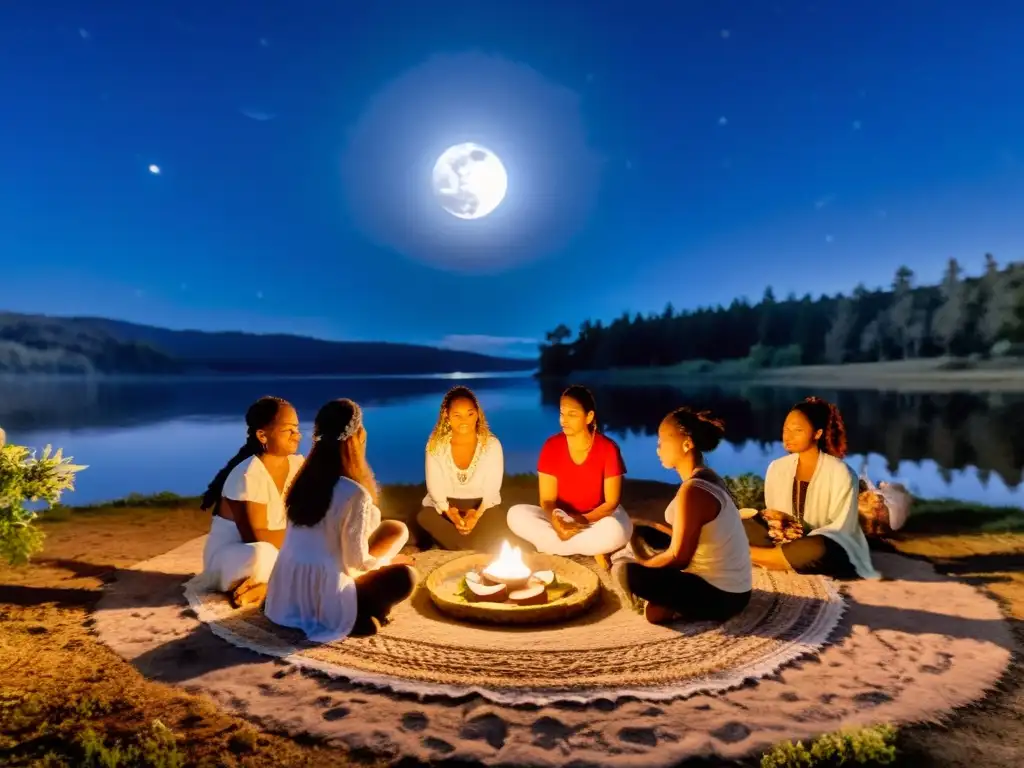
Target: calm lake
(173,435)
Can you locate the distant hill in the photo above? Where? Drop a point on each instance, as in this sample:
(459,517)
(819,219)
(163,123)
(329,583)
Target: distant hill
(39,343)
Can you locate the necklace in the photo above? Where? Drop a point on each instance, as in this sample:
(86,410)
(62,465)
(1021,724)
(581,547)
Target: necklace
(462,475)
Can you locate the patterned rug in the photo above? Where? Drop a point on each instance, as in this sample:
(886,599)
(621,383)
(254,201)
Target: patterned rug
(608,653)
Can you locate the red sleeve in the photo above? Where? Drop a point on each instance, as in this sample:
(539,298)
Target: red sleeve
(614,466)
(548,462)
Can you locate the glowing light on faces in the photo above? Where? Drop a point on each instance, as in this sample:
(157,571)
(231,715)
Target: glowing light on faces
(469,180)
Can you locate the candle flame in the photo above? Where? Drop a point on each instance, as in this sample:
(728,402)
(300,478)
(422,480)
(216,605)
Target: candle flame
(509,564)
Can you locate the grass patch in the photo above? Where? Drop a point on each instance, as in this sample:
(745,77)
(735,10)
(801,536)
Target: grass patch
(865,746)
(79,732)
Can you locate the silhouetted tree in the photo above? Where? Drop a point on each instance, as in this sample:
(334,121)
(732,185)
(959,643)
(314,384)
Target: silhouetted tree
(950,318)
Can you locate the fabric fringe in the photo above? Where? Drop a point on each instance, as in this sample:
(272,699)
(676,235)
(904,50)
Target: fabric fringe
(813,639)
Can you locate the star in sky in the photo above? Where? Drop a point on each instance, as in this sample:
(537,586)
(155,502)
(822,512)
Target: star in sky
(154,169)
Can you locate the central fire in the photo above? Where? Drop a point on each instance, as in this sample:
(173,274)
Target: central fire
(509,579)
(509,567)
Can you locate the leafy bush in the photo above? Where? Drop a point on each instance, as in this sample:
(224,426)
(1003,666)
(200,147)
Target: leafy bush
(867,746)
(747,490)
(760,356)
(24,477)
(788,356)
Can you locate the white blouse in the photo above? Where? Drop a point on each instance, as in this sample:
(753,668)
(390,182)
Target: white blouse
(313,586)
(251,481)
(480,480)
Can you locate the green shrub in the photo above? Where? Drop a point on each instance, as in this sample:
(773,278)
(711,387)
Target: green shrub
(26,478)
(866,746)
(788,356)
(747,490)
(760,356)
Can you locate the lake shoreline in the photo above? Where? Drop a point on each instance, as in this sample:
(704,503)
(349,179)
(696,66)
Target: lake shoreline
(927,375)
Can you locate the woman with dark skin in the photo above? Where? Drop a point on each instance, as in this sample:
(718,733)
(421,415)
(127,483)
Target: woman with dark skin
(697,567)
(580,486)
(339,571)
(465,467)
(247,500)
(813,494)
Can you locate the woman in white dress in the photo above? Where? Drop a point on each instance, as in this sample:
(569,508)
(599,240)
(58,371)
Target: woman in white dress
(339,571)
(464,470)
(247,501)
(695,567)
(814,494)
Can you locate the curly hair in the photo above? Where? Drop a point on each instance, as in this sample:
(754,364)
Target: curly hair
(825,416)
(442,431)
(705,430)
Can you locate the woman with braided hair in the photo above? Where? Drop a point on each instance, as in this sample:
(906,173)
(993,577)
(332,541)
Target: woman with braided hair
(339,571)
(811,501)
(695,567)
(247,501)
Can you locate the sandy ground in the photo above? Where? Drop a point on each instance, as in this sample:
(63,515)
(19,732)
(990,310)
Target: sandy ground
(57,680)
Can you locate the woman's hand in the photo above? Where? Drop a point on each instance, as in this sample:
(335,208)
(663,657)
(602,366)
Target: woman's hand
(456,517)
(566,525)
(470,520)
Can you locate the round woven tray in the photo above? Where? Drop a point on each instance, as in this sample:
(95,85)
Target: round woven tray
(444,585)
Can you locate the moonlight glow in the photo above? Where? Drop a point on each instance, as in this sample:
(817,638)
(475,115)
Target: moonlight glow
(469,180)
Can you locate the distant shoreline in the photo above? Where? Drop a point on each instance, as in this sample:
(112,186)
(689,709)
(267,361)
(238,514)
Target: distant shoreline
(927,375)
(144,378)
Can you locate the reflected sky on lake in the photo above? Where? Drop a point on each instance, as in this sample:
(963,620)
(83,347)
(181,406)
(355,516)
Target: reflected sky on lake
(173,436)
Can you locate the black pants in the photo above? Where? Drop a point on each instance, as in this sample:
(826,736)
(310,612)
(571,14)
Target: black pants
(487,535)
(693,598)
(377,592)
(811,555)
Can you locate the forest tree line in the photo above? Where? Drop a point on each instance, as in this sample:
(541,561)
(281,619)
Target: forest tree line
(961,316)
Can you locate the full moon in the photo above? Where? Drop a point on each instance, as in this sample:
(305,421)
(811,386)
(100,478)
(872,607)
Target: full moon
(469,181)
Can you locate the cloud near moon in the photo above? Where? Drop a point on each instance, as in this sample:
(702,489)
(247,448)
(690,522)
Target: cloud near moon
(533,125)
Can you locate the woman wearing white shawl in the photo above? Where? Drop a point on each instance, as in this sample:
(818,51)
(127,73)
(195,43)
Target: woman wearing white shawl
(814,487)
(339,571)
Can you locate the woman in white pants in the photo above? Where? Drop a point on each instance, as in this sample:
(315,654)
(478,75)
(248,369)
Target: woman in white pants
(580,482)
(247,500)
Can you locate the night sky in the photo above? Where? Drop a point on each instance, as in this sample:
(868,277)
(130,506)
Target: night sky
(680,151)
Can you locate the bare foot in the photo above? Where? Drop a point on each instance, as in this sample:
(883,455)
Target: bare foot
(248,593)
(655,614)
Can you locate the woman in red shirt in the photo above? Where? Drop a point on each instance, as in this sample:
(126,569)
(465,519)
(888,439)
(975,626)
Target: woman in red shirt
(580,477)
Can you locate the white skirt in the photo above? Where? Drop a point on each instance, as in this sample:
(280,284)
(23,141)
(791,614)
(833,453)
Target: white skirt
(227,560)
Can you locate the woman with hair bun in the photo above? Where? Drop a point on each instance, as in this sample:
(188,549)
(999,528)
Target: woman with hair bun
(247,501)
(696,567)
(811,493)
(339,571)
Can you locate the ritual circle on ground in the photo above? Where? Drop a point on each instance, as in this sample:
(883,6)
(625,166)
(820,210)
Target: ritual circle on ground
(607,653)
(911,648)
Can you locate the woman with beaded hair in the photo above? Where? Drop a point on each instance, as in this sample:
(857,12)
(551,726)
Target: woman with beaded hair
(339,571)
(464,470)
(811,501)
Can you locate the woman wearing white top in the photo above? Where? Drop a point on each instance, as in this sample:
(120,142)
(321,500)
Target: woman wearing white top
(464,468)
(247,500)
(339,571)
(703,571)
(813,495)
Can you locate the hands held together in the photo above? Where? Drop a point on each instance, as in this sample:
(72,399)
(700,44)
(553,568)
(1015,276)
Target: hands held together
(567,525)
(464,522)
